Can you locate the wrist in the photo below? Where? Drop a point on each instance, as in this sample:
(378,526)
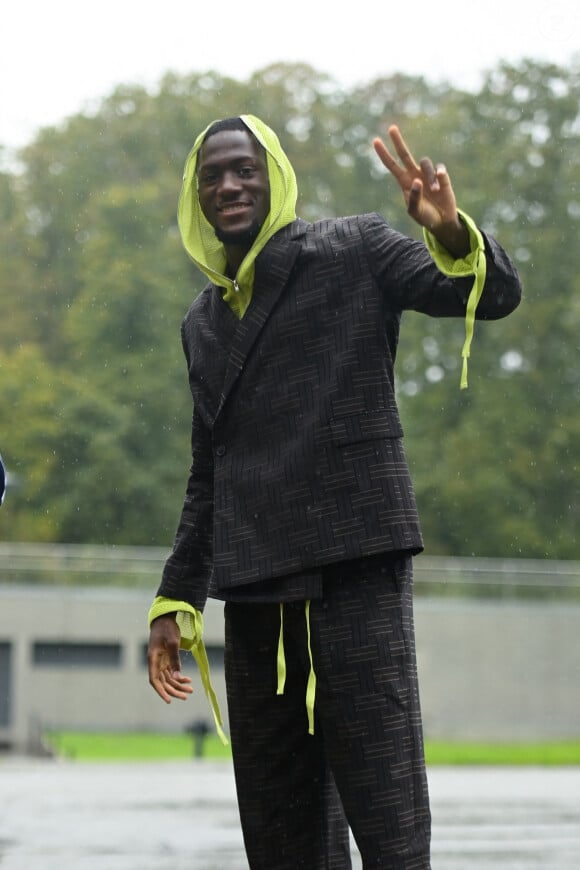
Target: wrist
(172,615)
(454,236)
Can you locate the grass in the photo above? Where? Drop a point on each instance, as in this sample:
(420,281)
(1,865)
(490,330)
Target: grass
(531,754)
(128,746)
(124,746)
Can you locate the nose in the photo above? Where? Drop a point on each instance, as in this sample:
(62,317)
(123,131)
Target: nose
(229,181)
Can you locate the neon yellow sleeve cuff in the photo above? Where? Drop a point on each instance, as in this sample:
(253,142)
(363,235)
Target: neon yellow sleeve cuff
(472,264)
(190,622)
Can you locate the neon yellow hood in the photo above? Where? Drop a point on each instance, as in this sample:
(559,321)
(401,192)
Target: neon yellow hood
(198,236)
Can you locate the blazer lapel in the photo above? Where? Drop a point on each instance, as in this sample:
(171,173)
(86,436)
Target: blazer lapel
(273,268)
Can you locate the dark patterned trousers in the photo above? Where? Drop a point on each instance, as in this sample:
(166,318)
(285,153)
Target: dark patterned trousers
(364,767)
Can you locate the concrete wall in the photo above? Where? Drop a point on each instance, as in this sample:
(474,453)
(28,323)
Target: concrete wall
(89,696)
(489,670)
(499,670)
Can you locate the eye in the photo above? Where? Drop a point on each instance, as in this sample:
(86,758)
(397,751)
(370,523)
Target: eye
(208,177)
(246,171)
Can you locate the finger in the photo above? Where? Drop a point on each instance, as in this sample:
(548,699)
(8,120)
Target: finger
(158,685)
(165,674)
(172,691)
(429,173)
(170,685)
(442,175)
(386,157)
(401,148)
(179,681)
(415,195)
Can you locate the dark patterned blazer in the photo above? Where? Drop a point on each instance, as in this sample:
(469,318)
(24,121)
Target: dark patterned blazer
(298,459)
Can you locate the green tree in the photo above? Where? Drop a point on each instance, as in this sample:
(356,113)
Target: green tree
(94,283)
(503,458)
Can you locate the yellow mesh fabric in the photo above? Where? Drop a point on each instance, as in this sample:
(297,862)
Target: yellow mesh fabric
(198,236)
(472,264)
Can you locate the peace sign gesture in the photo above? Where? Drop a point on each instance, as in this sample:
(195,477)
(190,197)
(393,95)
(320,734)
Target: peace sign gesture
(428,193)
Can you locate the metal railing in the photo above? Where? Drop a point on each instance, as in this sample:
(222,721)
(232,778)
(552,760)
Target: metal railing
(95,565)
(88,564)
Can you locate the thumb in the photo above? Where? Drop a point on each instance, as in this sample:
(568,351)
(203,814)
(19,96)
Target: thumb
(415,197)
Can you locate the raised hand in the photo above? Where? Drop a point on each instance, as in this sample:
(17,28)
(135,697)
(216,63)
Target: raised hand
(428,193)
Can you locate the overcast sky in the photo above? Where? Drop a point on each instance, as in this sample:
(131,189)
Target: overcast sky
(59,56)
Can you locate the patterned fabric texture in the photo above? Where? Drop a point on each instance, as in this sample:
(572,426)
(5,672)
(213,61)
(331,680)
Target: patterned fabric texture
(297,441)
(366,754)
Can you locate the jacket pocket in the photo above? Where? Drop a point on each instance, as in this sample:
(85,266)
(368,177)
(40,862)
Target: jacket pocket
(367,426)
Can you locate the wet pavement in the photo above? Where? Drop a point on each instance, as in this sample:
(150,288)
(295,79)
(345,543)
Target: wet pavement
(59,815)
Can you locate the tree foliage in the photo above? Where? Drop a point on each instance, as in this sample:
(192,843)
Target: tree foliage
(94,284)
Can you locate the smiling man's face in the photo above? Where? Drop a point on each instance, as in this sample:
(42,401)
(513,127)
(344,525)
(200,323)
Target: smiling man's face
(233,185)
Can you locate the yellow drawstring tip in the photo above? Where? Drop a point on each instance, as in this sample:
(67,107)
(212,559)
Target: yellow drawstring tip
(200,655)
(281,668)
(221,735)
(310,695)
(281,658)
(311,685)
(463,382)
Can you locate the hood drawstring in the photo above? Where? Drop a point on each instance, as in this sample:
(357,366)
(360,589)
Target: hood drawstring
(281,667)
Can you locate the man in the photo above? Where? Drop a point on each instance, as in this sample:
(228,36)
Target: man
(299,511)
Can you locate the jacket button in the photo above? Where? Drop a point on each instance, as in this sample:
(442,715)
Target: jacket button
(220,450)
